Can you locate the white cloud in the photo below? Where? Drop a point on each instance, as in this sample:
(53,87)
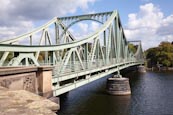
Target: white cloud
(13,30)
(150,26)
(166,27)
(42,9)
(91,12)
(94,26)
(18,16)
(84,29)
(88,27)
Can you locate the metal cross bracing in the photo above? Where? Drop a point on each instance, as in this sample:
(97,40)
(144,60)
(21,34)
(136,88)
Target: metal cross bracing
(76,61)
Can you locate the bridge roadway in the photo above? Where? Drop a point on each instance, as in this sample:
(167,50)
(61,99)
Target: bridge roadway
(78,77)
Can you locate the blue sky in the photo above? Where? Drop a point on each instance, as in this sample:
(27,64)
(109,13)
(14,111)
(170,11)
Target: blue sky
(126,7)
(148,20)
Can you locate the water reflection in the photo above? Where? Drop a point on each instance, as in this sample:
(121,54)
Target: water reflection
(117,104)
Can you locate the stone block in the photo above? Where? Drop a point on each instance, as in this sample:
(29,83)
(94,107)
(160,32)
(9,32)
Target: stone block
(118,86)
(44,78)
(22,102)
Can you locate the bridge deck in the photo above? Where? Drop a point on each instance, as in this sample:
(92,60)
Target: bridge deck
(81,77)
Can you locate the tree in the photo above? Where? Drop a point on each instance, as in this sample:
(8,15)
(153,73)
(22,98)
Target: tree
(132,48)
(163,54)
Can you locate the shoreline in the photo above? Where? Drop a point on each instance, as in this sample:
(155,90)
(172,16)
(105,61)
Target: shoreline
(160,69)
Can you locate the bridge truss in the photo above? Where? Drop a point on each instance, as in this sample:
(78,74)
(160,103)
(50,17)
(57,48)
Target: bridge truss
(76,61)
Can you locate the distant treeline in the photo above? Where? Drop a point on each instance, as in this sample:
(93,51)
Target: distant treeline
(161,55)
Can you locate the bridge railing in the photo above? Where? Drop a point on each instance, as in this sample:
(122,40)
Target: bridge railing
(75,66)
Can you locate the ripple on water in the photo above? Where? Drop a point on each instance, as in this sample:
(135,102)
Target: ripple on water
(152,94)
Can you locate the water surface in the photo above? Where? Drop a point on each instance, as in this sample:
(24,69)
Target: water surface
(152,94)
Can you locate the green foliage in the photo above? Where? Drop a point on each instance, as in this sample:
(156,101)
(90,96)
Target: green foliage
(9,57)
(132,48)
(1,53)
(163,54)
(167,63)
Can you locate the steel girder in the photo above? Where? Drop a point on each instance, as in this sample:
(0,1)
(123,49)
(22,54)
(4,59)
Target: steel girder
(84,53)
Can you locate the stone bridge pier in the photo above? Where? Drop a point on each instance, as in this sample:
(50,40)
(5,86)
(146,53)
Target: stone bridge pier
(34,79)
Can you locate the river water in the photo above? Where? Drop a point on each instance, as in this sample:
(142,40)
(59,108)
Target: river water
(152,94)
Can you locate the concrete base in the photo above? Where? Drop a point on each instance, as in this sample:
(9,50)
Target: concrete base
(118,86)
(141,69)
(21,102)
(44,78)
(37,80)
(55,100)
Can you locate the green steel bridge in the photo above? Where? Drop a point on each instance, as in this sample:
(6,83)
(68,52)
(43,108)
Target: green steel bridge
(75,61)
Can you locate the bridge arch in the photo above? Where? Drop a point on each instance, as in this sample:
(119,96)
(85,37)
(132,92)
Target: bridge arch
(79,20)
(27,57)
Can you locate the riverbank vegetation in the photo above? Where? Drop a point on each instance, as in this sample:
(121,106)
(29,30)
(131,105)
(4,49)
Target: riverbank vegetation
(162,55)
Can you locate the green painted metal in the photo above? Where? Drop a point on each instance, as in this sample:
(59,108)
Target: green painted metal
(75,61)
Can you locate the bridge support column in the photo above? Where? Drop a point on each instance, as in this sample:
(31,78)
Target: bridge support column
(118,85)
(141,69)
(44,78)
